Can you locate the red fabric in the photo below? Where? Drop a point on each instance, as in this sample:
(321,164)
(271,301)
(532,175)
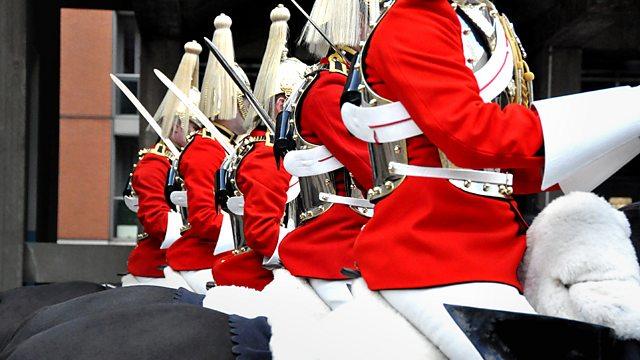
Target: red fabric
(244,269)
(265,196)
(321,247)
(321,123)
(149,181)
(198,164)
(427,232)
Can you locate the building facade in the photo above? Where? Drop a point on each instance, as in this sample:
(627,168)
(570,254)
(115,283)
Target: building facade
(98,127)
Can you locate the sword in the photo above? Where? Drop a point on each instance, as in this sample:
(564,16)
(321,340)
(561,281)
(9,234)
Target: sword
(145,114)
(193,108)
(262,113)
(324,36)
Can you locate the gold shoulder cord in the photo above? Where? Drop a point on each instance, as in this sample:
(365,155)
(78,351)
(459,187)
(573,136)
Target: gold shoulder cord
(523,77)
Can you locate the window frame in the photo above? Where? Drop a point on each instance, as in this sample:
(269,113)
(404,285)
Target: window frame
(123,125)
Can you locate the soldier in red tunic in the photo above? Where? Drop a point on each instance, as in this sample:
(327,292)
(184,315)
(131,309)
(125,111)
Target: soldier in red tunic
(332,165)
(148,183)
(195,252)
(148,189)
(445,105)
(259,190)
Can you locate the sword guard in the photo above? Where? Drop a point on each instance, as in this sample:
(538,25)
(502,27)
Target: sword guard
(351,273)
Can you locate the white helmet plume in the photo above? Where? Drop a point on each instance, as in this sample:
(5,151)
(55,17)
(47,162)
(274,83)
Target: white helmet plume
(186,77)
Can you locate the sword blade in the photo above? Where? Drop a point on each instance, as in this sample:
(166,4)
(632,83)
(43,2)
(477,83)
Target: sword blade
(262,113)
(324,36)
(145,114)
(193,108)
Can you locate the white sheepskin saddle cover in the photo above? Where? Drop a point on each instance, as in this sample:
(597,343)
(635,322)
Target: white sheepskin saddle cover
(367,328)
(303,327)
(580,264)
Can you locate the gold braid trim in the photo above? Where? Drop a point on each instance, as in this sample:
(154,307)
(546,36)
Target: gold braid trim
(523,77)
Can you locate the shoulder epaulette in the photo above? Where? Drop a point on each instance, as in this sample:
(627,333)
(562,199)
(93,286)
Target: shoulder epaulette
(337,65)
(159,149)
(205,133)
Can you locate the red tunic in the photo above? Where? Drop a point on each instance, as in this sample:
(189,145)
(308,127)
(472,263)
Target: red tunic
(198,164)
(148,181)
(321,247)
(265,196)
(427,232)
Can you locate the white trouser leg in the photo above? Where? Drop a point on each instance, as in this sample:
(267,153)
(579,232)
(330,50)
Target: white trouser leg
(131,280)
(198,279)
(425,310)
(334,293)
(175,279)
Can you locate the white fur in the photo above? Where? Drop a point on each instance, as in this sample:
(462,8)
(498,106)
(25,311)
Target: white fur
(303,327)
(237,300)
(289,303)
(294,310)
(580,264)
(368,328)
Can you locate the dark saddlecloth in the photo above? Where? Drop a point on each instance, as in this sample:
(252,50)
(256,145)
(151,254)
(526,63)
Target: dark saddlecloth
(18,304)
(153,332)
(102,302)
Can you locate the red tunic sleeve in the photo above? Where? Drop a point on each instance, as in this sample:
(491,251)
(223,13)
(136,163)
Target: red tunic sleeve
(149,181)
(198,165)
(265,193)
(441,94)
(321,115)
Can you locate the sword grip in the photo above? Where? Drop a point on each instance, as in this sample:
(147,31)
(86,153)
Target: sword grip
(283,142)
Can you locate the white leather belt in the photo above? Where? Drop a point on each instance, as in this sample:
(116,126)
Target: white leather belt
(381,124)
(477,176)
(235,204)
(344,200)
(311,162)
(497,73)
(294,189)
(391,122)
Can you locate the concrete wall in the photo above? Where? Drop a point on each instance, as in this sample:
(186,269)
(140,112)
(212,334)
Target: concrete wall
(85,124)
(13,107)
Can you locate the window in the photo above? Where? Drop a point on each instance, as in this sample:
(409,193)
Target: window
(126,62)
(125,226)
(125,125)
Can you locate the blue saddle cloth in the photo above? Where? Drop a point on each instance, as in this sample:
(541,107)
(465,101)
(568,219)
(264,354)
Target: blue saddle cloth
(185,296)
(250,337)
